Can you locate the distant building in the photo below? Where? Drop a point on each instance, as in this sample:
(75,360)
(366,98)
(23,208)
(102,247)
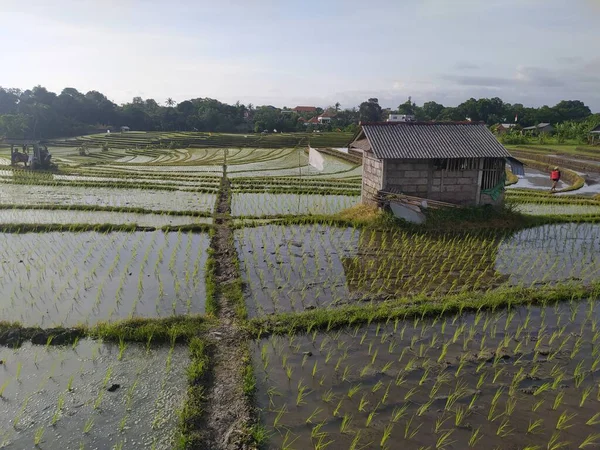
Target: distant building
(305,109)
(595,135)
(540,128)
(401,118)
(505,127)
(326,117)
(460,163)
(313,121)
(124,129)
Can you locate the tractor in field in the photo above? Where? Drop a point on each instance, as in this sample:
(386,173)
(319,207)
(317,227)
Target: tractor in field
(33,155)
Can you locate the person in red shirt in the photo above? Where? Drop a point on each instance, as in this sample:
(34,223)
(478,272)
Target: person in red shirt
(555,177)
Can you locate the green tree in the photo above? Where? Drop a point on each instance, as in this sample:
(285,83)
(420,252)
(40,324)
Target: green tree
(408,107)
(431,110)
(370,111)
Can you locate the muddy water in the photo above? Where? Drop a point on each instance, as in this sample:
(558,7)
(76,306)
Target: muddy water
(551,253)
(483,381)
(41,216)
(290,204)
(62,195)
(302,267)
(69,278)
(140,414)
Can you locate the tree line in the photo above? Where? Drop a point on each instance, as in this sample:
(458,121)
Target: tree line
(39,113)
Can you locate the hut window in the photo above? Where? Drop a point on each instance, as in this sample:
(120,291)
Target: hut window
(493,172)
(456,164)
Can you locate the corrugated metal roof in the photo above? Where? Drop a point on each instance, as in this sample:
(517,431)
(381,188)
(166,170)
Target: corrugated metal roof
(414,140)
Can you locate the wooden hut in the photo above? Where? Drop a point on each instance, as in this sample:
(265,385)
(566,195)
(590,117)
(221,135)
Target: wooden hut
(456,163)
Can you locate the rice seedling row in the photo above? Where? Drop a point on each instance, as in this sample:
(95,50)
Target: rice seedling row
(65,279)
(523,378)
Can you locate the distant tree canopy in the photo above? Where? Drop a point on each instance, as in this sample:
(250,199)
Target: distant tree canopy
(39,113)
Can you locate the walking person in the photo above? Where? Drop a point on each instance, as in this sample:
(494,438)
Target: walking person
(555,177)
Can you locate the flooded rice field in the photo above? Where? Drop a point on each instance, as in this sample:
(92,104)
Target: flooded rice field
(64,217)
(101,196)
(538,209)
(536,179)
(91,395)
(50,279)
(519,379)
(295,268)
(263,204)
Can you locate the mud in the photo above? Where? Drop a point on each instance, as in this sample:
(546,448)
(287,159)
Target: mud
(421,380)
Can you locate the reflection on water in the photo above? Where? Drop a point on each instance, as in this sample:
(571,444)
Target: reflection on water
(302,267)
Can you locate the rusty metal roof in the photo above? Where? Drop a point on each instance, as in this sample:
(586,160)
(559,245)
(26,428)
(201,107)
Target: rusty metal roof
(420,140)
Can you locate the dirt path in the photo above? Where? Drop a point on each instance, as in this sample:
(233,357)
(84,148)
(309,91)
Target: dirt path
(227,411)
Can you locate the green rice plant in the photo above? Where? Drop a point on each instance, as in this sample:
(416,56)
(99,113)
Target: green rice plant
(535,426)
(370,417)
(280,413)
(336,411)
(594,420)
(424,408)
(504,430)
(592,440)
(558,400)
(37,437)
(510,406)
(353,390)
(89,424)
(399,413)
(302,393)
(564,419)
(444,439)
(408,433)
(439,423)
(328,396)
(345,425)
(410,393)
(3,387)
(537,405)
(312,416)
(475,437)
(555,444)
(387,432)
(288,441)
(541,389)
(363,402)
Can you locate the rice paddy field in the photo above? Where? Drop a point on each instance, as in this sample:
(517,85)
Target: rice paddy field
(215,291)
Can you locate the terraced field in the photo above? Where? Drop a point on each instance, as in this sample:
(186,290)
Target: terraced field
(197,290)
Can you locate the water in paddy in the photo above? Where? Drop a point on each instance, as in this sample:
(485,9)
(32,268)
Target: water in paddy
(297,268)
(540,209)
(536,179)
(49,279)
(257,205)
(504,380)
(61,395)
(57,216)
(134,198)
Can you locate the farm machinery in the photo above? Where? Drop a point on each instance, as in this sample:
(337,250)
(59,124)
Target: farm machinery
(32,154)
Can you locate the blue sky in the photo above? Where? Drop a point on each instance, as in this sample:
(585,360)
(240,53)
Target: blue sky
(289,53)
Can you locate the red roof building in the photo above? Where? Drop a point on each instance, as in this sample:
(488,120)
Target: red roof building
(305,109)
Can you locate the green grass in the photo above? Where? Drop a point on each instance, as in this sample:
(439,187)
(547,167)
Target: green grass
(191,416)
(100,228)
(142,330)
(422,306)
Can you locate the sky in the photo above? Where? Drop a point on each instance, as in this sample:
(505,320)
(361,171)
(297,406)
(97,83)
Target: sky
(310,52)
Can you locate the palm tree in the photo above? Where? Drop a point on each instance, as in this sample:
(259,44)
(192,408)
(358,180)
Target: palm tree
(170,102)
(337,106)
